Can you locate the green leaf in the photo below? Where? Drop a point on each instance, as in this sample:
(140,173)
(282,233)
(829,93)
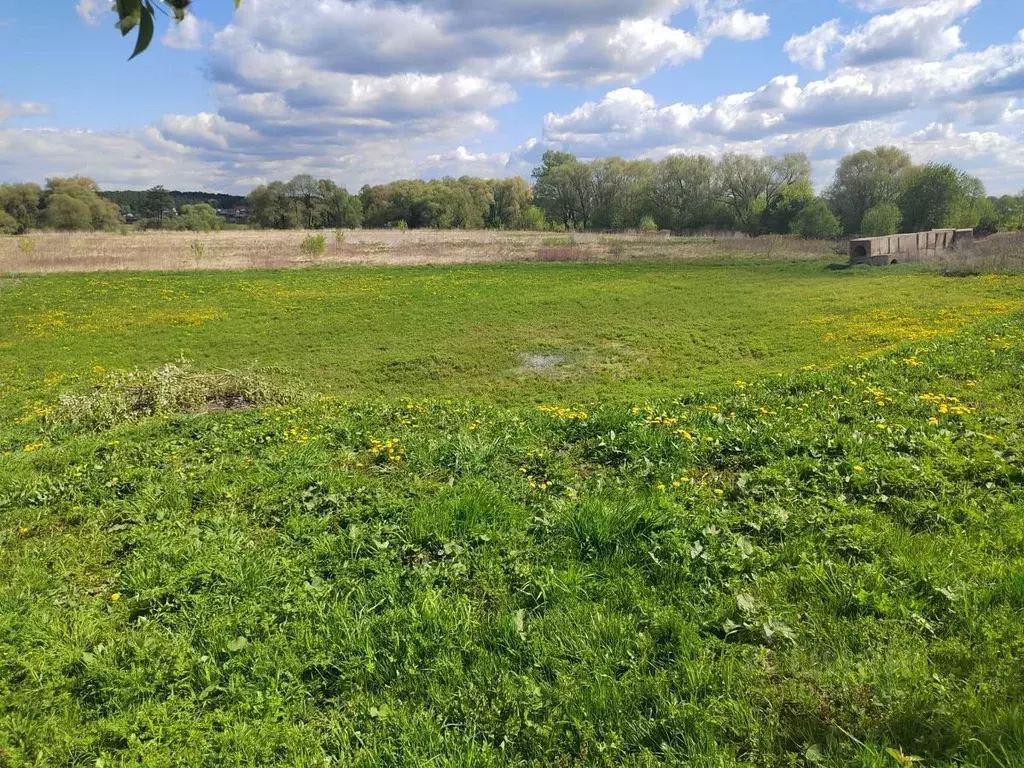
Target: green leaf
(238,644)
(146,29)
(129,13)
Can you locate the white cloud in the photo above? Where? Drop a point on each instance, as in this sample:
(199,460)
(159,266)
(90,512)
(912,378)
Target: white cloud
(740,25)
(91,11)
(21,109)
(920,31)
(810,49)
(917,30)
(188,34)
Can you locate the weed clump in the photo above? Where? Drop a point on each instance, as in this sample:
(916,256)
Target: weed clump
(174,388)
(314,245)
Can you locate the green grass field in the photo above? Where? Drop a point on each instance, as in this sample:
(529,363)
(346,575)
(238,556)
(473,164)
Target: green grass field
(611,331)
(725,515)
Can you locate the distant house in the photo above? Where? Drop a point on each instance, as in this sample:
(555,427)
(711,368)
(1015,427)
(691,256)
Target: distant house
(237,214)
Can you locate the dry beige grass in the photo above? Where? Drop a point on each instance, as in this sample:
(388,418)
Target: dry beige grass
(258,249)
(1002,252)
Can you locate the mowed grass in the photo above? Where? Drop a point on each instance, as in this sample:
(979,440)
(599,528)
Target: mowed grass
(499,333)
(824,569)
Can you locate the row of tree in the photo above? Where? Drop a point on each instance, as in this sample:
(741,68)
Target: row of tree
(874,192)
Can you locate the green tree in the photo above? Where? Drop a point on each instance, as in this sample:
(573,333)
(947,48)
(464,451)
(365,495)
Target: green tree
(753,188)
(8,224)
(1009,210)
(793,199)
(816,221)
(103,214)
(21,203)
(513,198)
(880,220)
(270,207)
(866,179)
(154,203)
(534,219)
(338,208)
(67,213)
(199,217)
(939,196)
(683,191)
(553,187)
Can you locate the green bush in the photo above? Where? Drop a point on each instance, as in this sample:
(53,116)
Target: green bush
(402,225)
(339,237)
(68,214)
(648,224)
(816,221)
(8,224)
(883,219)
(314,245)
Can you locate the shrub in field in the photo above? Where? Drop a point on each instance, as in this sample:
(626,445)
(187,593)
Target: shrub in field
(648,225)
(198,250)
(402,225)
(339,237)
(26,244)
(314,245)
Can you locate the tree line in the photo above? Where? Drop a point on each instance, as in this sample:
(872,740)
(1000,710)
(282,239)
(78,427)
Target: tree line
(874,192)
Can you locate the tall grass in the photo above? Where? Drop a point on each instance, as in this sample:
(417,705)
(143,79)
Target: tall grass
(1002,253)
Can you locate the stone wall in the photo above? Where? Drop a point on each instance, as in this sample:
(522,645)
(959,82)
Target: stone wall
(917,246)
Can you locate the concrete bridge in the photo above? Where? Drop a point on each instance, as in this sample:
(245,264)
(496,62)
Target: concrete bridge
(917,246)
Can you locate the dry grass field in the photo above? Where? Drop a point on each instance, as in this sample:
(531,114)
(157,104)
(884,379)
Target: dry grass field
(271,249)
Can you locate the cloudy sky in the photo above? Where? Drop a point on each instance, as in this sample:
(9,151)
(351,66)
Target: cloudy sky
(364,92)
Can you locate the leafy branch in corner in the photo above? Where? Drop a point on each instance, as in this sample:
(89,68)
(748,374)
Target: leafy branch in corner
(141,14)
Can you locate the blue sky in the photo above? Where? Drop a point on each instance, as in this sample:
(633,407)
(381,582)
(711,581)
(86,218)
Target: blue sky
(363,92)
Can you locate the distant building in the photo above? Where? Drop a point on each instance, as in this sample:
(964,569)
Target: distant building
(238,214)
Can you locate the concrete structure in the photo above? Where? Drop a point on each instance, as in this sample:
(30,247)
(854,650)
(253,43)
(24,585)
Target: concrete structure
(918,246)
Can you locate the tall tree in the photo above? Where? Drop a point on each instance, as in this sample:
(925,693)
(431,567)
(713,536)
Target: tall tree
(552,189)
(867,179)
(940,196)
(684,191)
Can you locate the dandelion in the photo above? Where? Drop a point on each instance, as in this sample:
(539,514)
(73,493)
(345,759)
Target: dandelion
(858,468)
(933,421)
(115,597)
